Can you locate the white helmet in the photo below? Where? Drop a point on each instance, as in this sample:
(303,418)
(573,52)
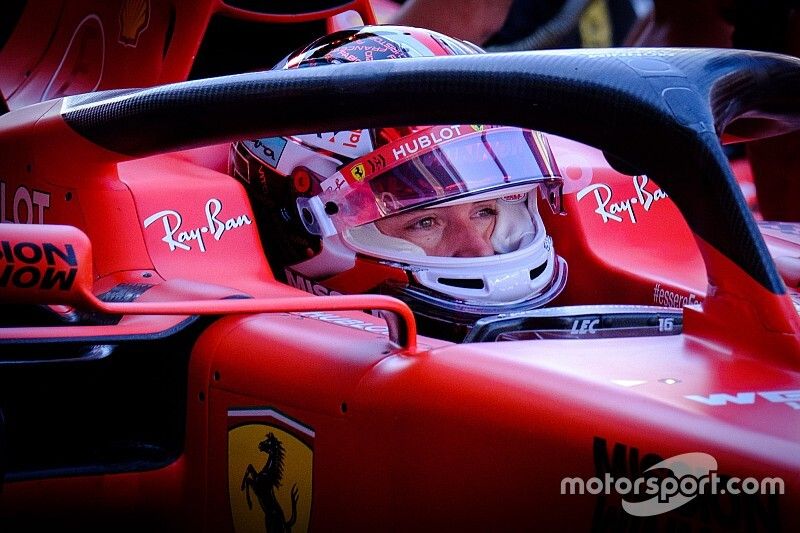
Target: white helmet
(443,217)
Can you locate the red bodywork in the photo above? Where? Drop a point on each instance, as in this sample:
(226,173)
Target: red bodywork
(380,432)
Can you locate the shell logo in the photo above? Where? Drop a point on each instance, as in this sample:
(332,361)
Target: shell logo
(134,17)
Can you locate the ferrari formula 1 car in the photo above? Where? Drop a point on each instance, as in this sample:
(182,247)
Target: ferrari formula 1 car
(157,373)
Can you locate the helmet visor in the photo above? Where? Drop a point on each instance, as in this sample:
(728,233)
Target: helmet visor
(438,165)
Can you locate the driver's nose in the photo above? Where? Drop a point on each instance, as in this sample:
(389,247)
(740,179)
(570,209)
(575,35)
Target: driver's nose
(467,240)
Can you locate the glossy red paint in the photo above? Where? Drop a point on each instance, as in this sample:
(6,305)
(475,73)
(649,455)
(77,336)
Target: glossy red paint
(62,48)
(615,234)
(465,430)
(429,435)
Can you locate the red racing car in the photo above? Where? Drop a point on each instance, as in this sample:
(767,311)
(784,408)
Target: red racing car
(507,329)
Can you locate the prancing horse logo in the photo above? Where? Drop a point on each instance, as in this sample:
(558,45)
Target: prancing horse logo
(270,471)
(265,482)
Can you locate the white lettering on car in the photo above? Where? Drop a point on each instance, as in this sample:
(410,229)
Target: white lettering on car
(347,322)
(24,206)
(790,398)
(584,326)
(424,141)
(180,239)
(609,210)
(668,298)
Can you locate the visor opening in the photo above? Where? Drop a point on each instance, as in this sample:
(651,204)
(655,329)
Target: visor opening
(462,283)
(536,272)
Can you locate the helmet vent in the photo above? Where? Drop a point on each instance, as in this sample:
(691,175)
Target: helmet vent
(331,208)
(462,283)
(536,272)
(308,218)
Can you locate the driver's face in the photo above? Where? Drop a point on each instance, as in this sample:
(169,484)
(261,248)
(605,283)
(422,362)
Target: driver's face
(462,230)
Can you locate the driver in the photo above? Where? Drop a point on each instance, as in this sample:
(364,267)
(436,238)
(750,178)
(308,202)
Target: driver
(443,217)
(455,231)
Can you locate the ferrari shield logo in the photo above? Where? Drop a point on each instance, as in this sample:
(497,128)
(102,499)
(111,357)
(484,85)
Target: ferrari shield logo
(358,172)
(270,459)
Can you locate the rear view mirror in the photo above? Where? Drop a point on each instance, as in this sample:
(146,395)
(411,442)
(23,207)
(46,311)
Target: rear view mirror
(49,264)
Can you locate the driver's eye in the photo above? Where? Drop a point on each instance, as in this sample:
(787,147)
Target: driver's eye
(486,212)
(423,223)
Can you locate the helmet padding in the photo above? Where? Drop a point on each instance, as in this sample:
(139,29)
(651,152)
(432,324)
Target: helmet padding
(370,239)
(513,226)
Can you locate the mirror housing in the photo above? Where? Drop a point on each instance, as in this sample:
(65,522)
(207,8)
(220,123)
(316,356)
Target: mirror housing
(45,264)
(52,264)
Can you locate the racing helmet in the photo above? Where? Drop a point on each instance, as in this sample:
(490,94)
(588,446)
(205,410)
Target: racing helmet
(393,210)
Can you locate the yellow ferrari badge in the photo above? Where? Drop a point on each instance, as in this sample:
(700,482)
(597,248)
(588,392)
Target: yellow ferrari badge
(269,471)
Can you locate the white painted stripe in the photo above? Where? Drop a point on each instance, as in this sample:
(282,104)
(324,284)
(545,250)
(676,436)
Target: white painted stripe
(46,94)
(274,414)
(628,382)
(541,144)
